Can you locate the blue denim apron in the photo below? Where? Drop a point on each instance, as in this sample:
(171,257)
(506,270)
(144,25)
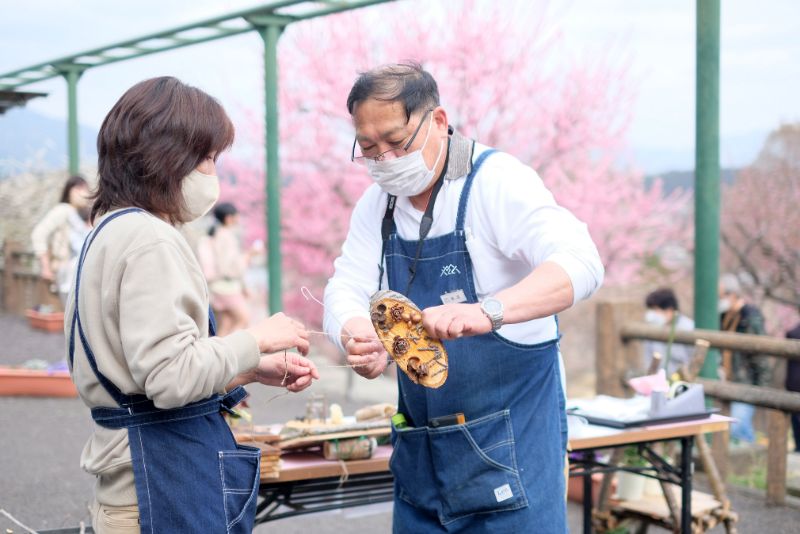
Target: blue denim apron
(190,474)
(503,470)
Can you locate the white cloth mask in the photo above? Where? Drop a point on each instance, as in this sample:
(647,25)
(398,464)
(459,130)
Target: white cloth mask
(655,318)
(723,305)
(406,176)
(200,193)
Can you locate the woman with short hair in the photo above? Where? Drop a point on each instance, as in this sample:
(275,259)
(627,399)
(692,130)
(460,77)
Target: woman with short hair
(141,343)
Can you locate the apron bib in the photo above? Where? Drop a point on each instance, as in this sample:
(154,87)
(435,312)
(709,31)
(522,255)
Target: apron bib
(503,470)
(190,474)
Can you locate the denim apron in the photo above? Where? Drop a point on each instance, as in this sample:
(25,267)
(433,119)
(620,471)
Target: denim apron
(503,470)
(190,474)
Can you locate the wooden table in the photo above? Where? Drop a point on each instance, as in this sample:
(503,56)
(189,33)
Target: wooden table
(590,438)
(308,483)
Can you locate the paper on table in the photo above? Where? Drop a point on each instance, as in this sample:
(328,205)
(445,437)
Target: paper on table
(606,407)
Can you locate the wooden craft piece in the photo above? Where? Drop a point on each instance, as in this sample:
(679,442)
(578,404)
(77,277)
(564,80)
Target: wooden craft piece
(398,323)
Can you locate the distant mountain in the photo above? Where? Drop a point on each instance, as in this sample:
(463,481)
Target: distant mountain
(685,179)
(735,151)
(30,139)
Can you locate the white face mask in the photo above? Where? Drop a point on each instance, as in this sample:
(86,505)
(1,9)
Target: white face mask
(406,176)
(655,318)
(723,305)
(200,193)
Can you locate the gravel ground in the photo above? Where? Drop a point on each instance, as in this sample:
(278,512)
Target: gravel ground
(42,485)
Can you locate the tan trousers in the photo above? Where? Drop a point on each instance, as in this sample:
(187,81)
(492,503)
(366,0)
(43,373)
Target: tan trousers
(115,519)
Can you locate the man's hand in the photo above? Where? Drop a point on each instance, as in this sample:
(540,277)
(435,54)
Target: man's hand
(451,321)
(365,352)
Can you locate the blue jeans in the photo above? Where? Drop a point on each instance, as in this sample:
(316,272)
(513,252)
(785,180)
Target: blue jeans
(742,428)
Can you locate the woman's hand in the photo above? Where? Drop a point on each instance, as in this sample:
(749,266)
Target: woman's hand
(365,352)
(280,332)
(272,371)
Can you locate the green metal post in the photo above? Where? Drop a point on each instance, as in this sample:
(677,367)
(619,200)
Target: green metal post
(72,75)
(270,33)
(706,222)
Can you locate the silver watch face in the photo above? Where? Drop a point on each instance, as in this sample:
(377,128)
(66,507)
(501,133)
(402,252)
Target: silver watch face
(493,306)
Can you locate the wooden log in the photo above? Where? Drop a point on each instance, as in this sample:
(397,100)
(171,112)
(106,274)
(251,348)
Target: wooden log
(614,356)
(775,399)
(701,347)
(774,346)
(605,485)
(778,428)
(710,469)
(719,443)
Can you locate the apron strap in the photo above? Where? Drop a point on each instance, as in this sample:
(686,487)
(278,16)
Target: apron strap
(462,203)
(112,390)
(120,398)
(387,228)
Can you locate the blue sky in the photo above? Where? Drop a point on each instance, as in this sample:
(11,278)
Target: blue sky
(760,74)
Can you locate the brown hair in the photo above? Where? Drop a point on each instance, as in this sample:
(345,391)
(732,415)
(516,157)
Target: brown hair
(158,132)
(71,183)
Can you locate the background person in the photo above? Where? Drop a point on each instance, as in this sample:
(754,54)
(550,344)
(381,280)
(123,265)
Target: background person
(224,266)
(141,347)
(662,310)
(793,384)
(737,315)
(474,238)
(58,237)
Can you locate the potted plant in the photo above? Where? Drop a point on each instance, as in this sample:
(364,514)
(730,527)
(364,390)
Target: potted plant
(630,486)
(46,318)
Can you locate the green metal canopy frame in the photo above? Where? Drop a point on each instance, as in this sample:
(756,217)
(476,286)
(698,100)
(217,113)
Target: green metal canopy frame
(268,20)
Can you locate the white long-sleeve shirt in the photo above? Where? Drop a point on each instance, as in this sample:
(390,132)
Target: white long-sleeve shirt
(513,224)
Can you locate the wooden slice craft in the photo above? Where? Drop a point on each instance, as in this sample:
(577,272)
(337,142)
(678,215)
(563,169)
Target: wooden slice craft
(398,322)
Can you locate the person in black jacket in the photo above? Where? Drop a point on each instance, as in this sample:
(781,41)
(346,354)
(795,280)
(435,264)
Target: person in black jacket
(793,384)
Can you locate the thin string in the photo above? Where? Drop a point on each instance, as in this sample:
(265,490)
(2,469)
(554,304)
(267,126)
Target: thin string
(276,396)
(285,368)
(309,296)
(345,474)
(322,333)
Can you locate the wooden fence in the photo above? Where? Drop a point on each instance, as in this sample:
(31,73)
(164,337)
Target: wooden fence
(21,288)
(619,355)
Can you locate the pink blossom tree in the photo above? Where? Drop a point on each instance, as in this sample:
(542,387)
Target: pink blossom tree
(761,225)
(501,83)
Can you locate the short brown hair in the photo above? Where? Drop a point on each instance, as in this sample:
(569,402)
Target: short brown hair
(158,132)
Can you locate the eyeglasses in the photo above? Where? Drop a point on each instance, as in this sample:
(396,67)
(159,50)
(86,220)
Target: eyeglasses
(392,153)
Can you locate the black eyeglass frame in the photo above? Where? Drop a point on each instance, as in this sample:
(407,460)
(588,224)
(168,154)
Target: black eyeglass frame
(382,155)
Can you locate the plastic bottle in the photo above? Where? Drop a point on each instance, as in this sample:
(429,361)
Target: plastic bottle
(399,421)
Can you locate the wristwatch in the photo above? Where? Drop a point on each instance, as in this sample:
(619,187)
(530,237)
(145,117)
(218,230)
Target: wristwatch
(493,309)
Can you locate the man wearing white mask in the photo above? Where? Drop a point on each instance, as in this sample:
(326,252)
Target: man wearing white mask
(474,238)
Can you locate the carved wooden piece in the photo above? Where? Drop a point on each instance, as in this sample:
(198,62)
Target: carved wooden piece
(398,323)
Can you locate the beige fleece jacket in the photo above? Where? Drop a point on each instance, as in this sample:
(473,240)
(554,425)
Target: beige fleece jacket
(144,310)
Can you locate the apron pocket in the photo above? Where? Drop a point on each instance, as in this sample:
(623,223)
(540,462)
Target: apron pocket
(476,467)
(412,469)
(239,470)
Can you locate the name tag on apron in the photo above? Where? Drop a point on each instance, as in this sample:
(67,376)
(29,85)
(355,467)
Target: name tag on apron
(454,297)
